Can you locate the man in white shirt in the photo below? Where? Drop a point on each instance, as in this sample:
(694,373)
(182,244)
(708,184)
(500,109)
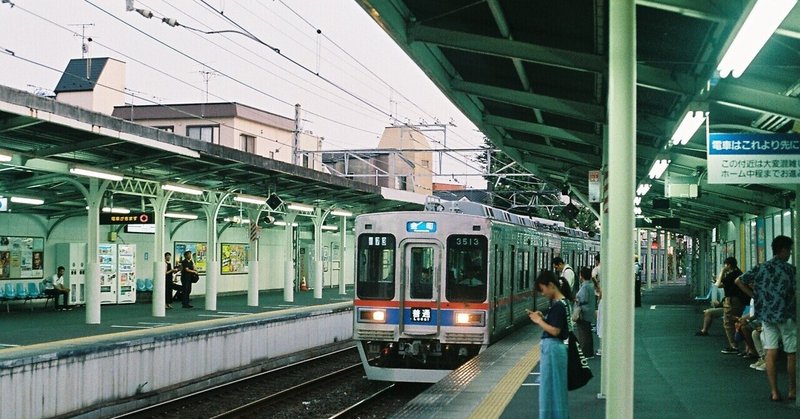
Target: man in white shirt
(566,272)
(54,287)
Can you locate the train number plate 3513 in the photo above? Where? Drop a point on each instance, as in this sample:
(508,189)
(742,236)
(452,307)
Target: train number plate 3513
(420,314)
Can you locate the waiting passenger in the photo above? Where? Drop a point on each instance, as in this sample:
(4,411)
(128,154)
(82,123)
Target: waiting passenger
(709,315)
(566,276)
(734,302)
(772,286)
(553,401)
(584,313)
(169,280)
(54,286)
(599,293)
(188,276)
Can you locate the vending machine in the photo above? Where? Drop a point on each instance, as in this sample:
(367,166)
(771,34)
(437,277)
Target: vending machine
(72,256)
(117,273)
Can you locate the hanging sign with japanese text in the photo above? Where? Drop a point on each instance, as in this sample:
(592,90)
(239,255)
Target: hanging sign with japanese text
(753,158)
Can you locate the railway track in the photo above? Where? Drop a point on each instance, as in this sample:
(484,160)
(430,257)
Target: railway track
(383,402)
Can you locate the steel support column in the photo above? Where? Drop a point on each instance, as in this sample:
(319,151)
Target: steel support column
(319,219)
(159,303)
(621,185)
(253,270)
(342,254)
(288,264)
(94,197)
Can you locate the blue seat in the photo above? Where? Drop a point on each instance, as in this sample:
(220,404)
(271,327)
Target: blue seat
(45,295)
(140,285)
(22,291)
(9,295)
(148,284)
(33,290)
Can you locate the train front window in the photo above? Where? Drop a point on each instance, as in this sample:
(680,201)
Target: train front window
(466,268)
(375,271)
(421,271)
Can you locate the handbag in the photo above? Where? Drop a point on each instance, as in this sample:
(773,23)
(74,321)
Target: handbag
(578,371)
(195,278)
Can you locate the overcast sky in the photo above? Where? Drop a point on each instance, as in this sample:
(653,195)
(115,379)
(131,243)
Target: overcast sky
(245,71)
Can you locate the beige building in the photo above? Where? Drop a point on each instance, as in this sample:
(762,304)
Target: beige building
(403,160)
(97,84)
(232,125)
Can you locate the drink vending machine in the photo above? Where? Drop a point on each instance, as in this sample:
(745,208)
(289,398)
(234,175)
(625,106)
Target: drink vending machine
(117,273)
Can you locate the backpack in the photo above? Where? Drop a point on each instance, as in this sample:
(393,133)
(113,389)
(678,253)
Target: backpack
(564,286)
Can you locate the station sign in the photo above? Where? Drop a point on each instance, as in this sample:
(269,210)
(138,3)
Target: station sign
(753,158)
(421,226)
(107,218)
(594,186)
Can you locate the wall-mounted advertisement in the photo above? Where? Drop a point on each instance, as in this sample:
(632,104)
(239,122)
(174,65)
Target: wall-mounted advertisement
(234,258)
(199,254)
(21,257)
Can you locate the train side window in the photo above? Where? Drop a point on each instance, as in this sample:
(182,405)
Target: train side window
(421,271)
(525,280)
(376,267)
(466,268)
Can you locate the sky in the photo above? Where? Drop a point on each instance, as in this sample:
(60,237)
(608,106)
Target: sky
(166,64)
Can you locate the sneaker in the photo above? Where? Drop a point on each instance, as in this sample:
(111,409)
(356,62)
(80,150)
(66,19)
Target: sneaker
(759,363)
(730,351)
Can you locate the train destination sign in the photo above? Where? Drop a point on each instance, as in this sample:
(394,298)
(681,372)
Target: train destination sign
(421,314)
(421,226)
(107,218)
(753,158)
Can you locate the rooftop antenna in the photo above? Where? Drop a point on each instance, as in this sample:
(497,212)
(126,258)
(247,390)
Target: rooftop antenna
(84,45)
(207,75)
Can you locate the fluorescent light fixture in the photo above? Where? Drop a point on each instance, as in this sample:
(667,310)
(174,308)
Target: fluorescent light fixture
(761,23)
(96,173)
(688,126)
(299,207)
(283,223)
(637,201)
(181,215)
(236,220)
(182,189)
(115,210)
(643,189)
(4,157)
(637,211)
(249,199)
(658,169)
(329,228)
(29,201)
(342,213)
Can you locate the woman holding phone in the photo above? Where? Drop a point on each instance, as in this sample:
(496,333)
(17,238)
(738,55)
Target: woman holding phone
(553,363)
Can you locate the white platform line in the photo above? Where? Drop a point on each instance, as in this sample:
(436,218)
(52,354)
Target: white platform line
(8,345)
(215,315)
(281,306)
(155,324)
(233,313)
(530,385)
(121,326)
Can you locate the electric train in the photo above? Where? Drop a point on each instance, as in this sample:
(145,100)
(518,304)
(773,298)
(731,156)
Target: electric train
(435,288)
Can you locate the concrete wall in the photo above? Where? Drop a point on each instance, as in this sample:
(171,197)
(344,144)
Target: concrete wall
(81,375)
(271,247)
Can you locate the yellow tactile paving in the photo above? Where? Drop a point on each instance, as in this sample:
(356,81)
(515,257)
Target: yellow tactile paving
(495,403)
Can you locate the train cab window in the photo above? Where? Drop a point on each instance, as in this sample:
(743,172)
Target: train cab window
(466,268)
(375,271)
(421,271)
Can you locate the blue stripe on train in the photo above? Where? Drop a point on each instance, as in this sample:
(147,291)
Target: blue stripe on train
(445,317)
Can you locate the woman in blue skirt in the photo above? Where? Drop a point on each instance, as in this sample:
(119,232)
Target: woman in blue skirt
(553,362)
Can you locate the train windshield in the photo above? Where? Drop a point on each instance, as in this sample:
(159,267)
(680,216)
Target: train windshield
(466,268)
(375,271)
(421,270)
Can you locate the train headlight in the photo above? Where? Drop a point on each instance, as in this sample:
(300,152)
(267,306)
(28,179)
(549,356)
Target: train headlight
(469,318)
(371,315)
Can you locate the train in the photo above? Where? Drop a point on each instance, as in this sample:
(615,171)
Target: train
(434,288)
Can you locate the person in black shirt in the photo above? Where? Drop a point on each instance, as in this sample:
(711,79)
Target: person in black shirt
(553,401)
(188,276)
(169,283)
(733,305)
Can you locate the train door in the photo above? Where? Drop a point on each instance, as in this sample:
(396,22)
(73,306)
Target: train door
(511,284)
(420,302)
(497,294)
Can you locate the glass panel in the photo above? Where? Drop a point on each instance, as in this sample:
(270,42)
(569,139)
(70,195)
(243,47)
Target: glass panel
(466,268)
(421,271)
(375,271)
(769,236)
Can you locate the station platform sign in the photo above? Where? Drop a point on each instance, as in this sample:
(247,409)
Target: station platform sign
(753,158)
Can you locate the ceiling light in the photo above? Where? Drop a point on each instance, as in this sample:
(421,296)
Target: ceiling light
(329,228)
(643,189)
(29,201)
(236,220)
(759,26)
(283,223)
(181,215)
(96,174)
(5,157)
(182,189)
(299,207)
(115,210)
(342,213)
(249,199)
(688,126)
(659,166)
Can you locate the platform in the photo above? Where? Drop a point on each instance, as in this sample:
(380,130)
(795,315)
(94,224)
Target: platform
(677,375)
(23,326)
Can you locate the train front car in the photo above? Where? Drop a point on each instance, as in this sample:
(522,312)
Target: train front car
(421,293)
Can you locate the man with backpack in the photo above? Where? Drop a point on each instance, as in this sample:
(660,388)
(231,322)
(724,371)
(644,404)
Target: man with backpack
(566,277)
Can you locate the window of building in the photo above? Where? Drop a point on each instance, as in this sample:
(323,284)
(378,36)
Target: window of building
(425,163)
(248,143)
(402,182)
(167,128)
(306,160)
(201,132)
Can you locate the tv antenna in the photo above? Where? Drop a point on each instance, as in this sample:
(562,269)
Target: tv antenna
(84,39)
(207,75)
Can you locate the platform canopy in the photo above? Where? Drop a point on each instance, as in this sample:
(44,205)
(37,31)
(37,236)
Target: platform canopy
(533,76)
(46,139)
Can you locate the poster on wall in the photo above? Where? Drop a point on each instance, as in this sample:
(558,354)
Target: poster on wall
(199,254)
(234,258)
(21,257)
(730,249)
